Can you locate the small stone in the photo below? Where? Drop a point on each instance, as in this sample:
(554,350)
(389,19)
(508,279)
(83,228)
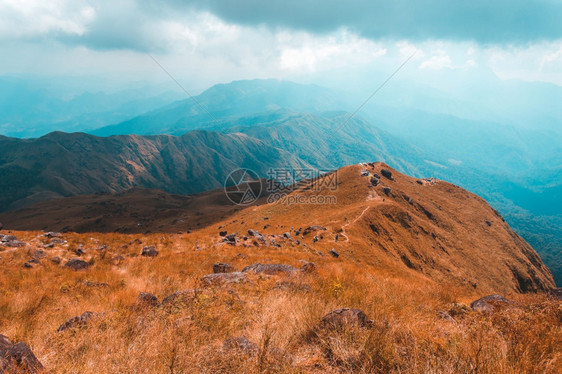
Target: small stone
(52,234)
(39,254)
(308,267)
(222,233)
(224,278)
(230,239)
(18,358)
(221,267)
(8,238)
(56,260)
(77,321)
(77,264)
(334,253)
(145,299)
(270,269)
(386,190)
(387,174)
(149,251)
(489,303)
(312,228)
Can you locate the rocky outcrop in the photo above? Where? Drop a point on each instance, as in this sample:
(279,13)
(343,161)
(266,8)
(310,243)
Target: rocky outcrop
(313,228)
(149,251)
(77,264)
(489,303)
(221,267)
(17,358)
(146,300)
(224,278)
(270,269)
(77,321)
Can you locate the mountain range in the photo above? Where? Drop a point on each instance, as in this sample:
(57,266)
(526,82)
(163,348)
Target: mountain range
(190,146)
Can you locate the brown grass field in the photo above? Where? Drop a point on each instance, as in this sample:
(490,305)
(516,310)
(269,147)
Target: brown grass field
(402,272)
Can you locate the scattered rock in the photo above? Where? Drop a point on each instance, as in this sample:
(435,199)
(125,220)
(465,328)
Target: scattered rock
(80,252)
(375,181)
(117,260)
(17,358)
(221,267)
(39,254)
(334,253)
(489,303)
(222,233)
(179,298)
(52,234)
(419,182)
(149,251)
(15,244)
(386,190)
(286,235)
(270,269)
(488,223)
(240,345)
(77,264)
(341,317)
(8,238)
(224,278)
(312,228)
(56,260)
(58,241)
(77,321)
(387,174)
(145,299)
(230,239)
(308,267)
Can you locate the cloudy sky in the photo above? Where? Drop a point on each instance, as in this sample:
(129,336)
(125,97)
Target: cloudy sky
(205,42)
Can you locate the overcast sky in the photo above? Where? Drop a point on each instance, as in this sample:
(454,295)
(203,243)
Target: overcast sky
(205,42)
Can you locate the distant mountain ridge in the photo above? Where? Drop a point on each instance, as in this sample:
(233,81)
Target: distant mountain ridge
(61,164)
(224,101)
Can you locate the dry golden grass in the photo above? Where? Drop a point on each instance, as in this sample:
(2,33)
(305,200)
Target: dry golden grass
(400,263)
(408,335)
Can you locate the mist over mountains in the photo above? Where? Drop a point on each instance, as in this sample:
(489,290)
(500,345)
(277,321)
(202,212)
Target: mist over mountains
(270,123)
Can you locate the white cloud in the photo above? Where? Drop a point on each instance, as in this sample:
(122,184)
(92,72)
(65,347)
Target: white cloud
(313,53)
(36,18)
(437,62)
